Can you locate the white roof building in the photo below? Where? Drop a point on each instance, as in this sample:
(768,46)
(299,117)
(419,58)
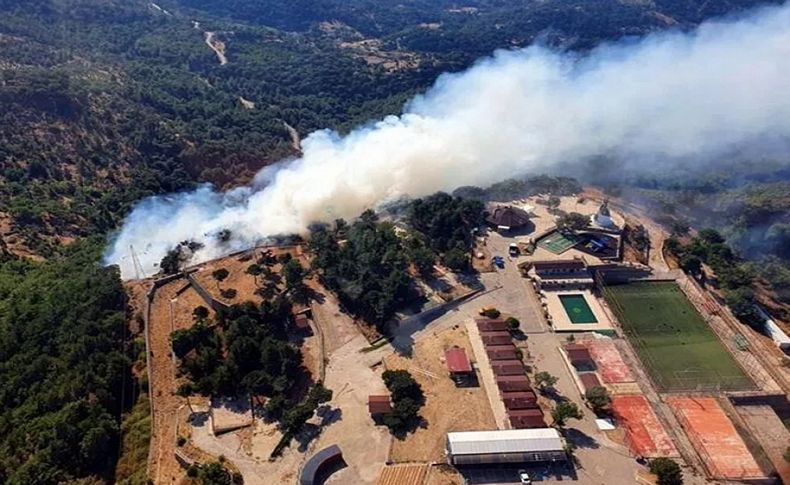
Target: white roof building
(505,446)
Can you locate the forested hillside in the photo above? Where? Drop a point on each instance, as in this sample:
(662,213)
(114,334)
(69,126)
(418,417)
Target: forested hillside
(64,368)
(103,102)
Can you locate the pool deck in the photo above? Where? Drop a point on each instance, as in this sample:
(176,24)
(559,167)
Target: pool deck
(561,321)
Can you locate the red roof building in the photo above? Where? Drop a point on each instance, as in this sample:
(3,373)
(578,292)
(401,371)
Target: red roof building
(301,321)
(513,383)
(520,400)
(579,355)
(526,418)
(496,338)
(378,405)
(457,361)
(491,325)
(589,380)
(501,352)
(511,367)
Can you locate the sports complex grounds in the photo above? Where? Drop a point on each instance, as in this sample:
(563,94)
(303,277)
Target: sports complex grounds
(674,343)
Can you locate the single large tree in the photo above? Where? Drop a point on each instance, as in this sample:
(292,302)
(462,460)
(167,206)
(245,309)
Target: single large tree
(220,275)
(598,398)
(564,411)
(544,380)
(667,471)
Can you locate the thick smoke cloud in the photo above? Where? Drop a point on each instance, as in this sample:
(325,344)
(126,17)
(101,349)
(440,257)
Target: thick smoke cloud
(667,97)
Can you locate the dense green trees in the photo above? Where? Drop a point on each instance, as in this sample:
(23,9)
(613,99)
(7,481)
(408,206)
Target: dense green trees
(367,271)
(64,368)
(667,471)
(245,351)
(734,276)
(407,399)
(565,410)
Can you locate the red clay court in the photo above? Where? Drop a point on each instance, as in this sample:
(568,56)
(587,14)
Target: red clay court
(715,438)
(645,434)
(609,362)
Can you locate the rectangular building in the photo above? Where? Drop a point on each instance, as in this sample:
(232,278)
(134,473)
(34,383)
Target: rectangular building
(520,400)
(496,338)
(513,383)
(507,367)
(501,352)
(505,446)
(491,325)
(526,418)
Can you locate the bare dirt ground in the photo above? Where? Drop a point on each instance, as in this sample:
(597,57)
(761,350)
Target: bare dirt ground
(444,475)
(447,407)
(238,279)
(169,311)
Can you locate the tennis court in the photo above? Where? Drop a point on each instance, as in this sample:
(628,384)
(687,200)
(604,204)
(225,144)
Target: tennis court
(558,242)
(577,309)
(675,344)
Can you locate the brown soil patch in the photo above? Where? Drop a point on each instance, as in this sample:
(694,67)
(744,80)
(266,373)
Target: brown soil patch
(238,279)
(444,475)
(447,407)
(162,465)
(404,474)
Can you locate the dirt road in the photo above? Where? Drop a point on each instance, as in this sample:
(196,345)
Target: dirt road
(171,309)
(217,46)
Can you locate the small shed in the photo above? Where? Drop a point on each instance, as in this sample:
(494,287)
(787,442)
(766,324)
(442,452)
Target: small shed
(520,400)
(511,367)
(496,338)
(501,352)
(513,383)
(379,405)
(457,361)
(491,325)
(302,321)
(526,418)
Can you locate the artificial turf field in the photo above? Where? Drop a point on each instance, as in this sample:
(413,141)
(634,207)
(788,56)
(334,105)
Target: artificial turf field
(558,243)
(675,344)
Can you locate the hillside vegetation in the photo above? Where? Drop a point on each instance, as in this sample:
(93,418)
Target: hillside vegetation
(103,102)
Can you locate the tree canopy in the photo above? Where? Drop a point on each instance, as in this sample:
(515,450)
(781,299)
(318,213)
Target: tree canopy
(64,367)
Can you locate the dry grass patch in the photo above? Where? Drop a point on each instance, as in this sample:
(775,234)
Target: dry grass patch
(447,407)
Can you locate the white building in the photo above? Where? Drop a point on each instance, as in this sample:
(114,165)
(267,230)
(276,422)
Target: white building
(505,446)
(603,218)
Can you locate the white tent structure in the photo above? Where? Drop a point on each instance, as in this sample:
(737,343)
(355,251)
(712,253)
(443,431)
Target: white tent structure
(505,446)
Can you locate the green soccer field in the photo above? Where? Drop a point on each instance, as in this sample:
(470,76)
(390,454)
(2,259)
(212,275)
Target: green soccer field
(675,344)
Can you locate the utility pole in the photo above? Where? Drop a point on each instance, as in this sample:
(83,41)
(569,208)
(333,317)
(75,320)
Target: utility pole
(139,272)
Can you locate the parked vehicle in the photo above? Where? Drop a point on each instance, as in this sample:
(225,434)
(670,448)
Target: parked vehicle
(513,249)
(524,477)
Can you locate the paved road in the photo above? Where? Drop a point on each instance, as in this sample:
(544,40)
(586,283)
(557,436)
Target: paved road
(517,295)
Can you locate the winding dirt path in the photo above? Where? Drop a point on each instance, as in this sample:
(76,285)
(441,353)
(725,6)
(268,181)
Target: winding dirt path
(217,46)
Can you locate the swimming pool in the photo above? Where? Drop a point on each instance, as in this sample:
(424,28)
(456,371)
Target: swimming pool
(577,309)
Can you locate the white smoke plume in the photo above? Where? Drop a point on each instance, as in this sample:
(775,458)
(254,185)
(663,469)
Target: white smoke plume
(669,96)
